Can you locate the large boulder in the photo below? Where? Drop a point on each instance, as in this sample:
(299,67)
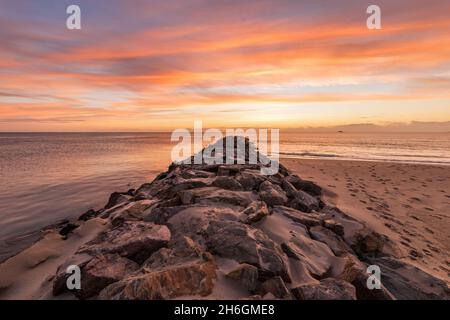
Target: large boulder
(304,185)
(188,279)
(407,282)
(277,287)
(246,275)
(272,194)
(160,215)
(250,179)
(327,289)
(331,239)
(228,183)
(60,279)
(366,242)
(315,255)
(103,270)
(255,212)
(132,211)
(240,242)
(182,269)
(135,240)
(217,196)
(307,219)
(117,198)
(304,202)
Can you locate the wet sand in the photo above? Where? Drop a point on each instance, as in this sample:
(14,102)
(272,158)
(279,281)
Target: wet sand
(409,203)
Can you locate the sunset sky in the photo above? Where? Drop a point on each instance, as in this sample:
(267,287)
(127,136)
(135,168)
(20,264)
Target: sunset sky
(149,65)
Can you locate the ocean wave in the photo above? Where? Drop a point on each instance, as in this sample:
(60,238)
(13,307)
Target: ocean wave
(398,158)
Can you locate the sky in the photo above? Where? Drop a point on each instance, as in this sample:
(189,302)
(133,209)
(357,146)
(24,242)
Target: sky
(156,65)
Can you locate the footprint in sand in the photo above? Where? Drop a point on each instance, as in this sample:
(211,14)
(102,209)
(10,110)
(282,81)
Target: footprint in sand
(433,248)
(409,233)
(414,254)
(390,226)
(406,239)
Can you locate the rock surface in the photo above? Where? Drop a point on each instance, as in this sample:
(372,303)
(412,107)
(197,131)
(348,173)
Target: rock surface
(328,289)
(198,230)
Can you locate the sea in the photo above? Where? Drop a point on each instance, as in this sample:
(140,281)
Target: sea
(46,178)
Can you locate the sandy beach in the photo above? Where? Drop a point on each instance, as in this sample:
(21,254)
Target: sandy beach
(406,207)
(410,203)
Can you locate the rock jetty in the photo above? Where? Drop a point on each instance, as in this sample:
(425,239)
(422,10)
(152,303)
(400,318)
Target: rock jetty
(226,231)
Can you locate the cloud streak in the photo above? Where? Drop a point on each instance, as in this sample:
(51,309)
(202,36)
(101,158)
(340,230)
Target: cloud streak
(183,60)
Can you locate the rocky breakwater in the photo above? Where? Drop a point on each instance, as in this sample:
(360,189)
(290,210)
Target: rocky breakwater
(226,231)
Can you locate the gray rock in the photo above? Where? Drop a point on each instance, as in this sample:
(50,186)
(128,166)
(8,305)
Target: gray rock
(327,289)
(227,183)
(289,188)
(132,211)
(250,179)
(247,275)
(59,282)
(183,269)
(367,242)
(272,194)
(334,226)
(336,244)
(307,219)
(244,244)
(349,269)
(364,293)
(117,198)
(304,185)
(213,195)
(277,287)
(190,174)
(135,240)
(304,202)
(256,211)
(407,282)
(314,255)
(188,279)
(88,215)
(101,271)
(160,215)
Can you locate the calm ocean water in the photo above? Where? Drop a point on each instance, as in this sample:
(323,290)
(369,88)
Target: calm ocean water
(48,177)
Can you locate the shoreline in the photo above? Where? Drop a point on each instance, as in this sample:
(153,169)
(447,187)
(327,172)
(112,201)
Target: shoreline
(408,202)
(338,158)
(46,254)
(292,163)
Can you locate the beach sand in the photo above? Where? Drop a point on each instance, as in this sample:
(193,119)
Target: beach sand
(410,203)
